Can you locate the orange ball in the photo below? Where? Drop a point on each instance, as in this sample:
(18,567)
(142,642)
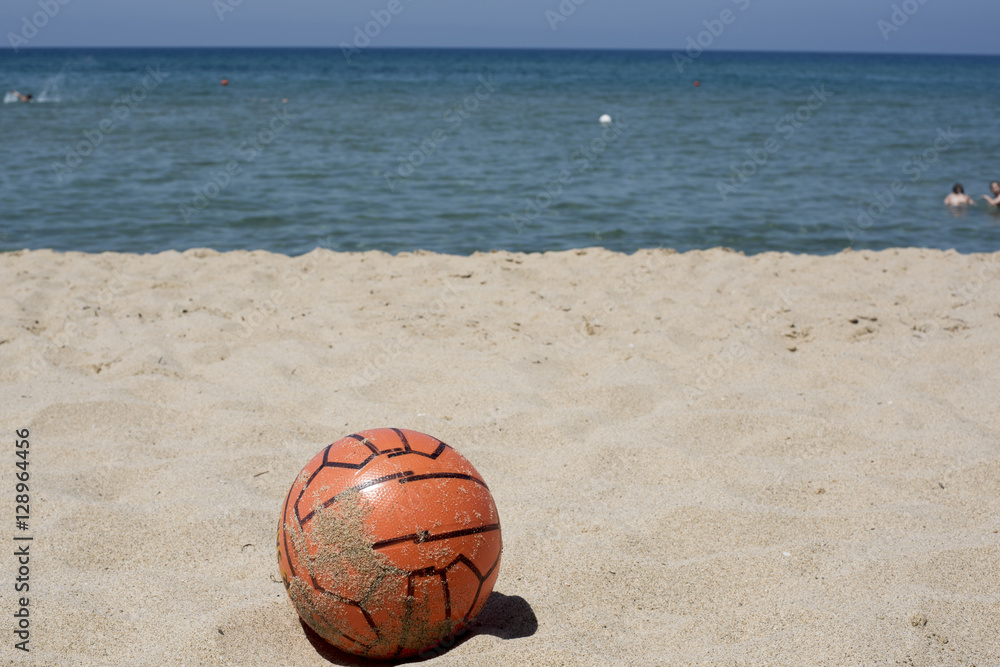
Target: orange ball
(389,542)
(225,82)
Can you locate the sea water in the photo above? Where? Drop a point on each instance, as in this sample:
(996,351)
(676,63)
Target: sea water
(459,151)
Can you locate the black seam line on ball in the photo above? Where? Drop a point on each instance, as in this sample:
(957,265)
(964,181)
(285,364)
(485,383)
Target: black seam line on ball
(433,455)
(360,487)
(402,438)
(418,538)
(482,579)
(445,475)
(447,595)
(327,463)
(409,450)
(352,603)
(366,442)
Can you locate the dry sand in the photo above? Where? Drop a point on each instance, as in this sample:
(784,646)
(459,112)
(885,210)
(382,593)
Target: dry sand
(699,458)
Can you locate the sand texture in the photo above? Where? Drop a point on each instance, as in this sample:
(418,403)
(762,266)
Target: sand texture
(698,459)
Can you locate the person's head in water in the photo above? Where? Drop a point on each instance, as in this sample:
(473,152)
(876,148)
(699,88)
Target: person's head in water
(958,197)
(995,190)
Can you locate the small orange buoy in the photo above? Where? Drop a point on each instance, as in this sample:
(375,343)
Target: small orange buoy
(225,82)
(697,84)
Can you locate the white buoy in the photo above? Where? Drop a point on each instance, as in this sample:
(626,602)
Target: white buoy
(605,119)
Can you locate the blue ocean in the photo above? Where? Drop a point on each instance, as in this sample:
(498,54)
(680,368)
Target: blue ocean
(458,151)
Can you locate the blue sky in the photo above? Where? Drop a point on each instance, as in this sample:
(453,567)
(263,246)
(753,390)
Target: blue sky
(907,26)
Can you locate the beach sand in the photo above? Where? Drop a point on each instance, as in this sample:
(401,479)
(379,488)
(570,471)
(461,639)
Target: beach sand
(698,459)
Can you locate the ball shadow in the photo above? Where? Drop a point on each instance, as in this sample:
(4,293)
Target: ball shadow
(504,616)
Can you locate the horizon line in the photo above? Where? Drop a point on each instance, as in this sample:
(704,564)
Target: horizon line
(510,48)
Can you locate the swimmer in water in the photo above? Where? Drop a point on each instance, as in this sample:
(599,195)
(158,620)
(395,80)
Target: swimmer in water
(958,197)
(23,98)
(995,199)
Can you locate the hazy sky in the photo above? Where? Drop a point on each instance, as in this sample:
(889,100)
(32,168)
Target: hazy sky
(924,26)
